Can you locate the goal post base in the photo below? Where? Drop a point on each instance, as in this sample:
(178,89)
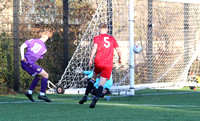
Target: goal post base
(132,91)
(127,90)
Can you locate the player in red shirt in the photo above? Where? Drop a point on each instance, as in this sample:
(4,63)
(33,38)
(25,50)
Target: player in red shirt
(104,46)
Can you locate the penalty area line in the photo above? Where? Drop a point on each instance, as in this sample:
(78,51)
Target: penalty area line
(151,105)
(36,101)
(99,103)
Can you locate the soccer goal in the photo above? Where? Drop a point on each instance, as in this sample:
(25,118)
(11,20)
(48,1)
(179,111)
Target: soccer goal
(167,30)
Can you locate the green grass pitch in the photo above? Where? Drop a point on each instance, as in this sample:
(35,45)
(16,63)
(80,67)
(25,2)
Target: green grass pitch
(146,105)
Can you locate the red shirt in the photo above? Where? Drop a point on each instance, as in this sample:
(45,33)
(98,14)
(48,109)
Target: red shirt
(105,49)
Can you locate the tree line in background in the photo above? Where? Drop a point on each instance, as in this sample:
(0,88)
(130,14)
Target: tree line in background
(80,13)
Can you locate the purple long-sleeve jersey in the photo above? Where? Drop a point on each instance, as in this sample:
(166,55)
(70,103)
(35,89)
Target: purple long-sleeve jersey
(35,50)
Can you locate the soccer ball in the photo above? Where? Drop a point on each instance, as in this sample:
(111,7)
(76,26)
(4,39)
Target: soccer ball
(137,49)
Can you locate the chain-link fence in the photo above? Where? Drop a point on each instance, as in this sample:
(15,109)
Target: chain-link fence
(21,20)
(168,32)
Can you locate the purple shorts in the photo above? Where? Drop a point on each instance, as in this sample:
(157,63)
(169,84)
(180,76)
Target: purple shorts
(31,69)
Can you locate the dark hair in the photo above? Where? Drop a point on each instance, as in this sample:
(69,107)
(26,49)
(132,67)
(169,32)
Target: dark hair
(102,25)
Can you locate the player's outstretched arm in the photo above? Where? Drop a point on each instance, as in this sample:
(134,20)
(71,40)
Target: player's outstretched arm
(93,53)
(119,54)
(22,47)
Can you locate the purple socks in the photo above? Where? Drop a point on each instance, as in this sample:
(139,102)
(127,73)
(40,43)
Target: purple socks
(43,84)
(34,83)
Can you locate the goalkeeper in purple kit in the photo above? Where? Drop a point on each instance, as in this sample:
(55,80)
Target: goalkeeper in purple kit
(35,50)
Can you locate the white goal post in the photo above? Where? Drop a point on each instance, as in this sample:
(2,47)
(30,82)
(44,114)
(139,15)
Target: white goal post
(167,30)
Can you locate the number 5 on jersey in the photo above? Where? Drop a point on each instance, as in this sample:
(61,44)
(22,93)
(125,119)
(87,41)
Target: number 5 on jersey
(107,43)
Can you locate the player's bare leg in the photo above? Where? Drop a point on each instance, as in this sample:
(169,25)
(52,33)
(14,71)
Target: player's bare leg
(43,74)
(102,81)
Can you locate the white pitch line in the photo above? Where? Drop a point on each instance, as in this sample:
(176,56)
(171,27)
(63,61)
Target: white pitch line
(99,103)
(28,101)
(108,104)
(169,93)
(118,104)
(149,105)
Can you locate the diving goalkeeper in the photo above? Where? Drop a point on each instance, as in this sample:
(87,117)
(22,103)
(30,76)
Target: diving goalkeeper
(93,86)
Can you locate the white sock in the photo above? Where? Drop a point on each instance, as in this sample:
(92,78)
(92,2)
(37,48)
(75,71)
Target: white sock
(30,92)
(42,93)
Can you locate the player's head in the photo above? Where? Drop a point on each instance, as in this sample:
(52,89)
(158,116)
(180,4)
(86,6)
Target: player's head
(103,28)
(45,34)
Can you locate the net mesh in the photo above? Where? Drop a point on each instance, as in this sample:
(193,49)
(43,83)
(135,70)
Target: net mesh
(167,31)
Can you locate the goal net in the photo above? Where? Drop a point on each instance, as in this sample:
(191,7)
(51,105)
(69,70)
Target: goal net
(167,30)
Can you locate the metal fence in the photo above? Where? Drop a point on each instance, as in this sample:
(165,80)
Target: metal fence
(166,23)
(21,20)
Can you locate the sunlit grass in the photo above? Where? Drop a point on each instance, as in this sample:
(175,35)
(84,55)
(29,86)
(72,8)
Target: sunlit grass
(158,105)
